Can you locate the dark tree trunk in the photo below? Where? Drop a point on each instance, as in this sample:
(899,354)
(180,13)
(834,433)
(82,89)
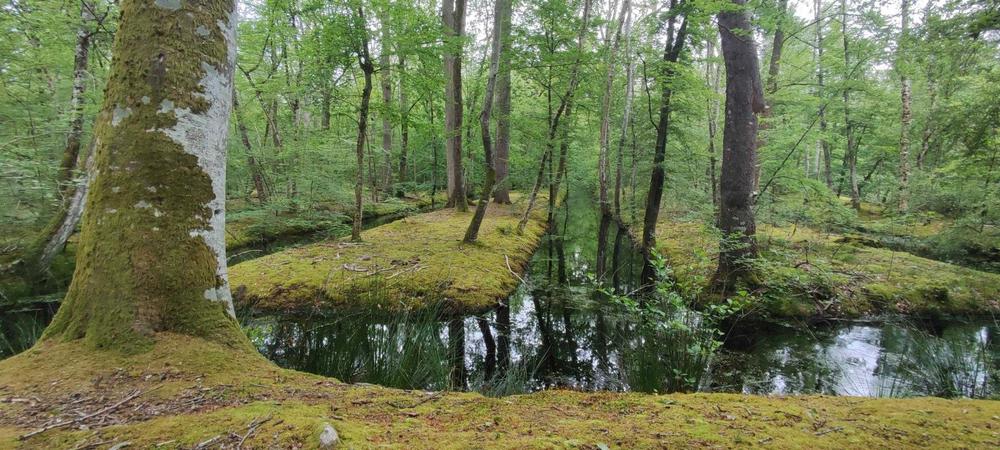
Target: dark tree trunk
(671,53)
(256,174)
(744,100)
(453,18)
(404,123)
(365,63)
(501,157)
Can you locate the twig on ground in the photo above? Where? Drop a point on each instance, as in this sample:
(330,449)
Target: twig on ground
(64,423)
(505,258)
(251,429)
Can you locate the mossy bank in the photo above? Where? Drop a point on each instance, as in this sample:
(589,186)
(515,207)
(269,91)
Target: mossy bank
(188,391)
(416,262)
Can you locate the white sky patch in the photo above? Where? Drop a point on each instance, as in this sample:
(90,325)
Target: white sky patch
(199,135)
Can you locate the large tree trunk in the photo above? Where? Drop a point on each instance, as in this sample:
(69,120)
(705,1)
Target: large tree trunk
(453,18)
(744,100)
(671,52)
(501,155)
(605,136)
(906,115)
(152,252)
(367,68)
(484,125)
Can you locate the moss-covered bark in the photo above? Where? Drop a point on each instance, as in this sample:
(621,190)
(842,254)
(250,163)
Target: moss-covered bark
(152,252)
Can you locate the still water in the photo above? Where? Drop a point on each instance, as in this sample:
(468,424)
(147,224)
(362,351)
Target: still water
(568,329)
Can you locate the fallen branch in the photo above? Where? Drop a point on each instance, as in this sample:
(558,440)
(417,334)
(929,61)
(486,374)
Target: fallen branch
(251,429)
(64,423)
(505,258)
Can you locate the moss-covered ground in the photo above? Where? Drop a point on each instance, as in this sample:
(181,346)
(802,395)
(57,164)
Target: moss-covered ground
(419,261)
(809,273)
(187,391)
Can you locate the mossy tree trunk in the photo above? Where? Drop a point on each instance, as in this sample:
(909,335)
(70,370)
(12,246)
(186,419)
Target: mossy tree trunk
(744,100)
(152,251)
(906,115)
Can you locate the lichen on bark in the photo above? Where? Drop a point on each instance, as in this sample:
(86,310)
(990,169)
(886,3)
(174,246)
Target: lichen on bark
(152,249)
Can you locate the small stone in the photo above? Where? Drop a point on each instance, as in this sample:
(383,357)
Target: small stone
(329,437)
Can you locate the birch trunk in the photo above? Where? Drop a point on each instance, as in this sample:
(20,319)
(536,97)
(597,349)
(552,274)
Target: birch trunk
(152,248)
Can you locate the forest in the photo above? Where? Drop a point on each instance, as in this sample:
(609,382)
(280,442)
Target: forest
(435,224)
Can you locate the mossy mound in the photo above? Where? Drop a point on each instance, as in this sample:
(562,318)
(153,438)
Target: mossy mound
(806,273)
(187,391)
(416,262)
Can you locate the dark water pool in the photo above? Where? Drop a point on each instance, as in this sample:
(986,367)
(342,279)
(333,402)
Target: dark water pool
(568,329)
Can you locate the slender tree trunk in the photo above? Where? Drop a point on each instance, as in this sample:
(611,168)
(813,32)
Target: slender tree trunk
(453,18)
(564,107)
(906,115)
(501,161)
(404,122)
(605,135)
(850,155)
(713,75)
(771,87)
(820,91)
(484,125)
(928,133)
(626,114)
(326,104)
(671,53)
(152,252)
(744,100)
(256,174)
(385,77)
(54,236)
(367,68)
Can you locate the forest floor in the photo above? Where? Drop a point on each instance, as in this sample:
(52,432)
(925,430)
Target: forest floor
(811,271)
(190,393)
(412,263)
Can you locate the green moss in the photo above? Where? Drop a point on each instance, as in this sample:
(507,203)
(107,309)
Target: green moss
(151,194)
(415,262)
(367,416)
(808,273)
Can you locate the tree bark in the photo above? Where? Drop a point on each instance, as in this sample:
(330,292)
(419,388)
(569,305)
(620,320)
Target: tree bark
(453,18)
(850,154)
(501,157)
(671,53)
(744,100)
(256,174)
(823,144)
(152,250)
(626,115)
(906,115)
(605,134)
(713,75)
(53,239)
(385,77)
(404,123)
(484,125)
(367,68)
(773,71)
